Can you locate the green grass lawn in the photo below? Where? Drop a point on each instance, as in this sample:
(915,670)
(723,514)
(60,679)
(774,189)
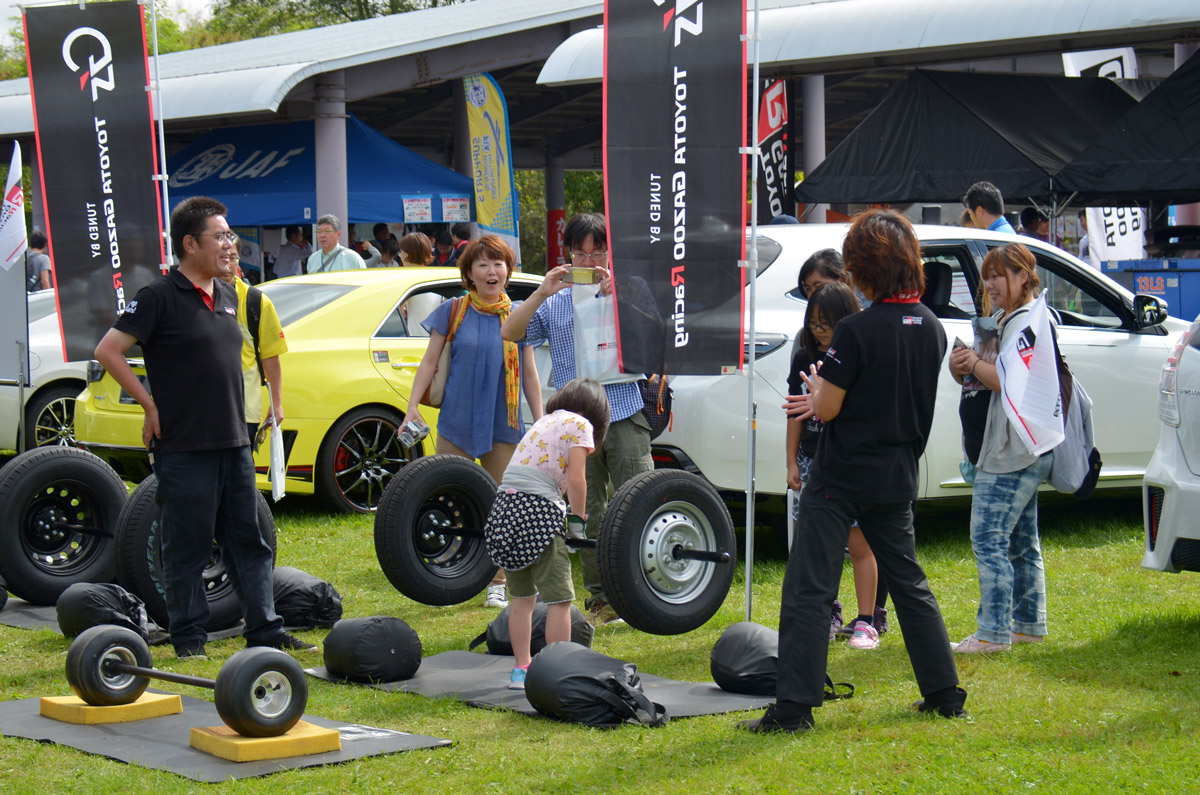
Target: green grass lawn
(1110,703)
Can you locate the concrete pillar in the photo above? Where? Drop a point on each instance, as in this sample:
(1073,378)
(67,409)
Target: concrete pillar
(556,212)
(814,136)
(462,143)
(329,110)
(1186,214)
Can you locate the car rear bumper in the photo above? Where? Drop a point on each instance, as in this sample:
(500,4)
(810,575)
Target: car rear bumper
(1171,509)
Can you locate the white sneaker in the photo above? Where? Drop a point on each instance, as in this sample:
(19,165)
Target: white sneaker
(497,596)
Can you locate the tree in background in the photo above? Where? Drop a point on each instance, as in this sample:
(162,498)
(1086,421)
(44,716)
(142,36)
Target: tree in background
(249,19)
(584,194)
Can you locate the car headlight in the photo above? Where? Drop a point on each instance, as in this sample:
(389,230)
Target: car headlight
(764,342)
(95,371)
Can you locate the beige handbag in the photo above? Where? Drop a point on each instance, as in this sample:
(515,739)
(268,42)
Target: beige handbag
(437,387)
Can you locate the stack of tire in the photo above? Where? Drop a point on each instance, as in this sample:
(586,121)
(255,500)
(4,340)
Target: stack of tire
(67,517)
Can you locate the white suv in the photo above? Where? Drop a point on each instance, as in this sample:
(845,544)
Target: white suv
(1171,492)
(1114,341)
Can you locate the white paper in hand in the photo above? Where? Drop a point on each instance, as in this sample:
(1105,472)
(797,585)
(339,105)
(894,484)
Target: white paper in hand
(1028,374)
(276,475)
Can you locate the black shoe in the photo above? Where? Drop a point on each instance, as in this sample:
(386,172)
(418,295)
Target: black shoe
(286,642)
(776,720)
(948,703)
(191,651)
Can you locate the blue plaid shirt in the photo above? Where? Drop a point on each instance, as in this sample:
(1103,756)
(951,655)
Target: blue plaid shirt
(554,320)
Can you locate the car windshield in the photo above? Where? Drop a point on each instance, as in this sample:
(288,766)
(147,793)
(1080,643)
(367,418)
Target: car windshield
(295,300)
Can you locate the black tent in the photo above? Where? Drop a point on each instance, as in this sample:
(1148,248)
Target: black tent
(1151,153)
(936,133)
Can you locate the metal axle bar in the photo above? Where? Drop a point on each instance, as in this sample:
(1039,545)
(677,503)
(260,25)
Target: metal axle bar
(154,673)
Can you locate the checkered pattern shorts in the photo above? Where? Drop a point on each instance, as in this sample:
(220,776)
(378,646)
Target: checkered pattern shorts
(520,527)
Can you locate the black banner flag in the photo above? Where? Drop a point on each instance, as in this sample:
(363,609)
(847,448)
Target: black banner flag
(774,179)
(89,76)
(675,181)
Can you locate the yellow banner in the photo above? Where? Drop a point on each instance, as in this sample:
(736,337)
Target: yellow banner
(496,202)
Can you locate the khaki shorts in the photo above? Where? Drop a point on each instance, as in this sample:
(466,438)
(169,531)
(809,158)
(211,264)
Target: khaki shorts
(550,576)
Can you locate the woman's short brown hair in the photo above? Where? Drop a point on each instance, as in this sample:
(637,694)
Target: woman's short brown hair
(883,256)
(487,246)
(415,248)
(1013,258)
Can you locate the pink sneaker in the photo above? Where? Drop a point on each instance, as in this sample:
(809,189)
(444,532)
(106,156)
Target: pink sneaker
(865,636)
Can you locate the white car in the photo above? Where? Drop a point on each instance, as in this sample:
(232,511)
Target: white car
(1171,491)
(1114,341)
(49,410)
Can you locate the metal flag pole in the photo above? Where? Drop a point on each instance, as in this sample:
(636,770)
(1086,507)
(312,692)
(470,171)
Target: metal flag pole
(161,176)
(22,442)
(751,265)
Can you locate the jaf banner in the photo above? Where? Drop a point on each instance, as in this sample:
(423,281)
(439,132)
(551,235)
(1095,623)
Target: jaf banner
(497,207)
(675,181)
(774,181)
(89,81)
(12,215)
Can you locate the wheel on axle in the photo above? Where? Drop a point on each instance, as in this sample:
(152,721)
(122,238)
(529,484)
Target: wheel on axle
(139,559)
(261,692)
(429,530)
(89,661)
(58,508)
(648,521)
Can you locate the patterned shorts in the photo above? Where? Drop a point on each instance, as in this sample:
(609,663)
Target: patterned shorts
(520,527)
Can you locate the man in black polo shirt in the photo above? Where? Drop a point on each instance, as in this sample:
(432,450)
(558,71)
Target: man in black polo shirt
(876,393)
(195,430)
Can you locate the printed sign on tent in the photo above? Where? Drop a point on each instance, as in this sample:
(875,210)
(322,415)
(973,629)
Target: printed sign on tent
(89,83)
(456,208)
(417,209)
(774,179)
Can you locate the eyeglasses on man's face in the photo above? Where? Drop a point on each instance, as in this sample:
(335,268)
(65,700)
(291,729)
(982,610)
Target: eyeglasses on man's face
(220,237)
(594,258)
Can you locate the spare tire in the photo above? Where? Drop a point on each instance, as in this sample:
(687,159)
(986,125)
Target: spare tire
(58,508)
(429,530)
(649,518)
(139,560)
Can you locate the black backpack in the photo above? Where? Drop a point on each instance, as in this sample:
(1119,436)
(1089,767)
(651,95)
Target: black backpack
(578,685)
(499,642)
(88,604)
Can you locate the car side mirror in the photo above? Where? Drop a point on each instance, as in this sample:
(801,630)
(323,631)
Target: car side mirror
(1149,310)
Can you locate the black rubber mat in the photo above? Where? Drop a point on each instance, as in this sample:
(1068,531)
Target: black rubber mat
(481,680)
(162,743)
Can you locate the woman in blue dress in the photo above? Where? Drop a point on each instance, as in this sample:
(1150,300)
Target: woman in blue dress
(480,412)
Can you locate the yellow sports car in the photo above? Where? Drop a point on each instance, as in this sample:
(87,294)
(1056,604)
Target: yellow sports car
(354,343)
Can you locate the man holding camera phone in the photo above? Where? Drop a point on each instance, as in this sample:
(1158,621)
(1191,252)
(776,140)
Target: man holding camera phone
(548,315)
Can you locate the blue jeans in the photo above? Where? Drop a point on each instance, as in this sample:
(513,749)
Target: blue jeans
(1008,552)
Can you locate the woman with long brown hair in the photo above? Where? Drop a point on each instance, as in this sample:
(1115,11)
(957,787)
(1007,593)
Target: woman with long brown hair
(1004,531)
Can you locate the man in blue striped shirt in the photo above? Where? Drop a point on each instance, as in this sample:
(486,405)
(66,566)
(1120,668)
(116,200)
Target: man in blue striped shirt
(548,314)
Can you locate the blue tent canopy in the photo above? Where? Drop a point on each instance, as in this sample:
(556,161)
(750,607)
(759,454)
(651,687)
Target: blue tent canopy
(266,175)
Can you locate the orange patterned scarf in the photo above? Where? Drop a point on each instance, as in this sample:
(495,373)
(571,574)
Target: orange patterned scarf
(512,364)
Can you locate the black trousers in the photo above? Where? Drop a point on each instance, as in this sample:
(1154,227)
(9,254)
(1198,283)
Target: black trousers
(200,492)
(810,585)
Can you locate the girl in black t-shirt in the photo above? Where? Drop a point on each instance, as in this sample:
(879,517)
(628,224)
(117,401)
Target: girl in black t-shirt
(827,304)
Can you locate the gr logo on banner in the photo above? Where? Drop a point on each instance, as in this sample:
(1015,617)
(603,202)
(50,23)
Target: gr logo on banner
(682,24)
(107,82)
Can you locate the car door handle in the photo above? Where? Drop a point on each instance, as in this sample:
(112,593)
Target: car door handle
(405,364)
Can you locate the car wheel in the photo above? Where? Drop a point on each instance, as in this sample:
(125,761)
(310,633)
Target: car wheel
(429,530)
(139,559)
(50,418)
(649,521)
(58,508)
(359,458)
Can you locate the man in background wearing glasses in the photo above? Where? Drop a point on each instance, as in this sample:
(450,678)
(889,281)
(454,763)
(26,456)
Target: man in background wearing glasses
(626,448)
(195,429)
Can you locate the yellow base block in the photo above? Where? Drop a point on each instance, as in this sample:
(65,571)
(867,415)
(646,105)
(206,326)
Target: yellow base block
(72,709)
(301,740)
